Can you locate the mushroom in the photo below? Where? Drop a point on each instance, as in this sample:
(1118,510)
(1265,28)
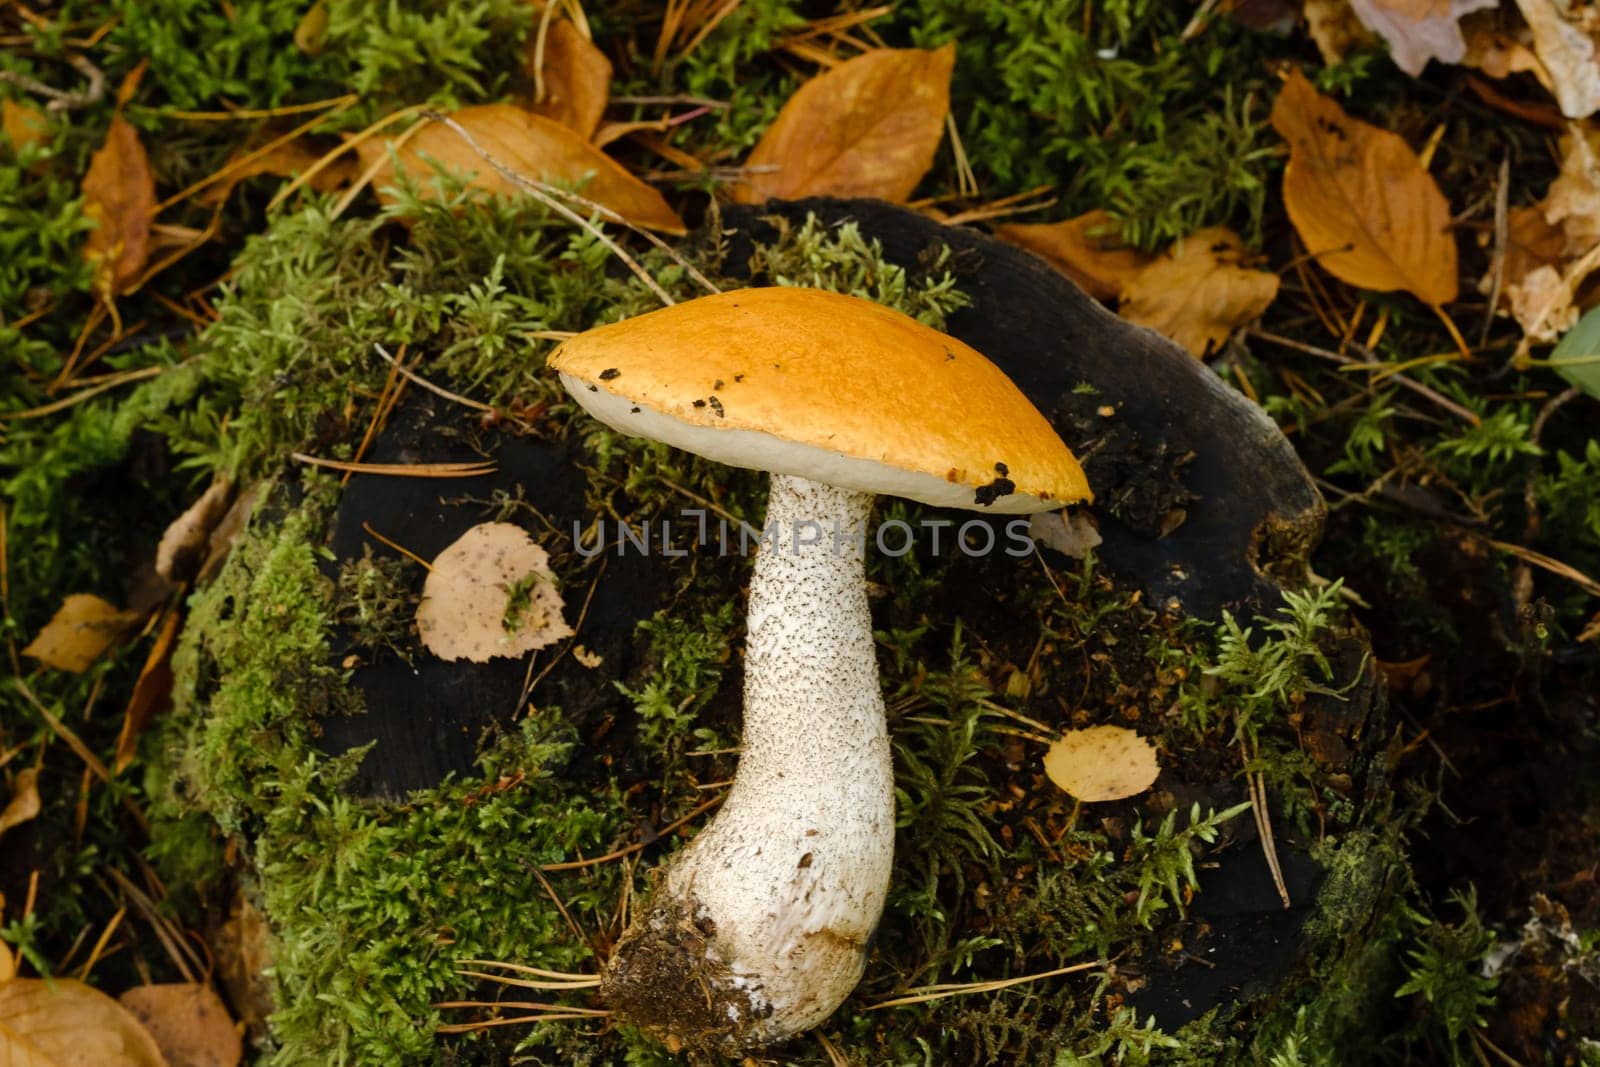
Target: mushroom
(759,928)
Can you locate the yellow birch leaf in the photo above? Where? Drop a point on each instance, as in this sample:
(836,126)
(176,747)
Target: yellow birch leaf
(81,629)
(1197,293)
(1361,200)
(869,127)
(529,145)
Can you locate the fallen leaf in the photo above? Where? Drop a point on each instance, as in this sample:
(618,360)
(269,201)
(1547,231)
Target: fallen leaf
(64,1023)
(188,1021)
(1548,261)
(491,593)
(1086,249)
(24,802)
(287,160)
(8,968)
(1531,278)
(1102,763)
(24,125)
(576,77)
(311,29)
(150,692)
(1263,16)
(1361,200)
(81,629)
(180,551)
(1197,293)
(1577,357)
(1419,30)
(119,194)
(16,1052)
(529,145)
(227,534)
(868,127)
(244,955)
(1497,53)
(1335,29)
(1567,52)
(1573,200)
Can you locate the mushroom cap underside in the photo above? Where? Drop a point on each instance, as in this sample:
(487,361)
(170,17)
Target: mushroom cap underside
(829,387)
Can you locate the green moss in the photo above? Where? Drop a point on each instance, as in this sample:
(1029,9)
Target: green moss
(371,904)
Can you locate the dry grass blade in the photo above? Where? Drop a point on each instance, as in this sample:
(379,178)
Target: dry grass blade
(436,390)
(245,160)
(531,983)
(538,972)
(484,1024)
(1547,563)
(924,994)
(401,470)
(574,865)
(79,397)
(529,1004)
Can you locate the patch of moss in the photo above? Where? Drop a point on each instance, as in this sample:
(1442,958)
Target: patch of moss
(371,904)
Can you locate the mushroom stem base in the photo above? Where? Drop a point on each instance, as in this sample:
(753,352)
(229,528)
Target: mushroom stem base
(759,929)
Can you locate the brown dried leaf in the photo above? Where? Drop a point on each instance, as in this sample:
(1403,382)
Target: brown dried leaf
(530,145)
(184,540)
(188,1021)
(1419,30)
(24,125)
(1573,200)
(1335,29)
(868,127)
(1497,53)
(24,802)
(1085,249)
(1197,293)
(1547,259)
(1102,763)
(8,969)
(244,954)
(1361,200)
(81,629)
(119,194)
(1565,44)
(576,77)
(491,593)
(150,692)
(68,1024)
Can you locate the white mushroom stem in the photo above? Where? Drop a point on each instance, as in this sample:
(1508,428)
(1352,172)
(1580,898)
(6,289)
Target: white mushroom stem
(782,891)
